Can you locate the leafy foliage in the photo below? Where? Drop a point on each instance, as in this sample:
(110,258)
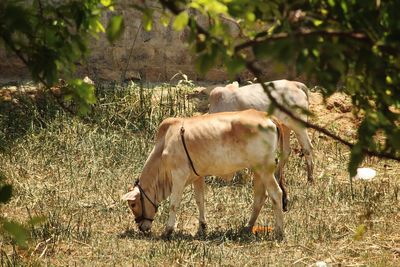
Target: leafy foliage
(115,28)
(18,232)
(52,37)
(351,43)
(5,190)
(14,229)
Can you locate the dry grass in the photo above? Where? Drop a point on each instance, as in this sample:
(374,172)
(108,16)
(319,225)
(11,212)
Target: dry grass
(74,172)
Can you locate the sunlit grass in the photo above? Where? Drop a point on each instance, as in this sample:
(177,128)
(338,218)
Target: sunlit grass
(74,171)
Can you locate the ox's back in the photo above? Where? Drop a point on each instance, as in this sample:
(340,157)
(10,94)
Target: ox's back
(222,143)
(289,93)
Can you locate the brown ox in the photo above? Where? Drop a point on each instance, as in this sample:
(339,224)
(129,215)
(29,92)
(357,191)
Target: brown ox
(216,144)
(291,94)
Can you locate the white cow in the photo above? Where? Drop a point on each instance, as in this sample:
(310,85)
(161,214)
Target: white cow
(187,149)
(291,94)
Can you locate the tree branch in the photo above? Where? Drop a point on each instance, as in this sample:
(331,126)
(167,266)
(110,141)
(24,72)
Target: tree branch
(304,33)
(257,73)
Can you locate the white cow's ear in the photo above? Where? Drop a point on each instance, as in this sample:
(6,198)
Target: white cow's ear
(235,84)
(131,195)
(232,86)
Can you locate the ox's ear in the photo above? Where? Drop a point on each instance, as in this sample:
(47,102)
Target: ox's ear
(131,195)
(235,84)
(232,86)
(131,187)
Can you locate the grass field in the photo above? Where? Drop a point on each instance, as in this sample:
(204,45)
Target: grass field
(73,172)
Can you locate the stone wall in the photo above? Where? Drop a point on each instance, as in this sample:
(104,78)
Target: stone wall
(152,56)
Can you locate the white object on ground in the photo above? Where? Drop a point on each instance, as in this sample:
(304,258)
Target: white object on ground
(365,174)
(321,264)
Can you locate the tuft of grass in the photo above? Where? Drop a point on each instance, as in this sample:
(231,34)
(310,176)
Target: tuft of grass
(73,172)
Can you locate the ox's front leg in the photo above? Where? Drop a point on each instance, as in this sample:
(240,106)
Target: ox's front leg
(178,185)
(199,186)
(259,199)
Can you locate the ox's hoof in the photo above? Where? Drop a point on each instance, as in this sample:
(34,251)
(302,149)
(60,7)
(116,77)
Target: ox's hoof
(246,230)
(167,233)
(285,202)
(279,235)
(201,232)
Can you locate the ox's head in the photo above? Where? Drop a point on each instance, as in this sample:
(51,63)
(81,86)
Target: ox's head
(142,208)
(218,97)
(225,88)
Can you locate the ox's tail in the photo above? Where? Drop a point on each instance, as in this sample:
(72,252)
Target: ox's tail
(279,173)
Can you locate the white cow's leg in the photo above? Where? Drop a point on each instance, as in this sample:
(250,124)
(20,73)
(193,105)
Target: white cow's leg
(285,153)
(306,145)
(228,177)
(178,185)
(259,198)
(275,193)
(199,186)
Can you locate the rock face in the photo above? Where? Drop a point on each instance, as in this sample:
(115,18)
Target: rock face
(155,56)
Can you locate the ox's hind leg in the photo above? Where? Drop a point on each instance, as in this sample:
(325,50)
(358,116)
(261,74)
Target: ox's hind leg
(275,193)
(199,186)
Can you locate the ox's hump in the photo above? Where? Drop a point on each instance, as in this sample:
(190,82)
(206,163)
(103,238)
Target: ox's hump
(165,125)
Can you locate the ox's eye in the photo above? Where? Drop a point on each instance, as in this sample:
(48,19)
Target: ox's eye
(132,205)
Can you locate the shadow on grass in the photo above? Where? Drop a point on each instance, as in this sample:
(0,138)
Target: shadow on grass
(216,236)
(22,113)
(238,179)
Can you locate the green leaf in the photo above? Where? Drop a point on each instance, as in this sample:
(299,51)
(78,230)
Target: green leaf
(317,22)
(331,3)
(181,21)
(84,91)
(250,16)
(17,232)
(360,231)
(106,3)
(99,26)
(165,19)
(343,4)
(216,7)
(5,193)
(115,28)
(147,21)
